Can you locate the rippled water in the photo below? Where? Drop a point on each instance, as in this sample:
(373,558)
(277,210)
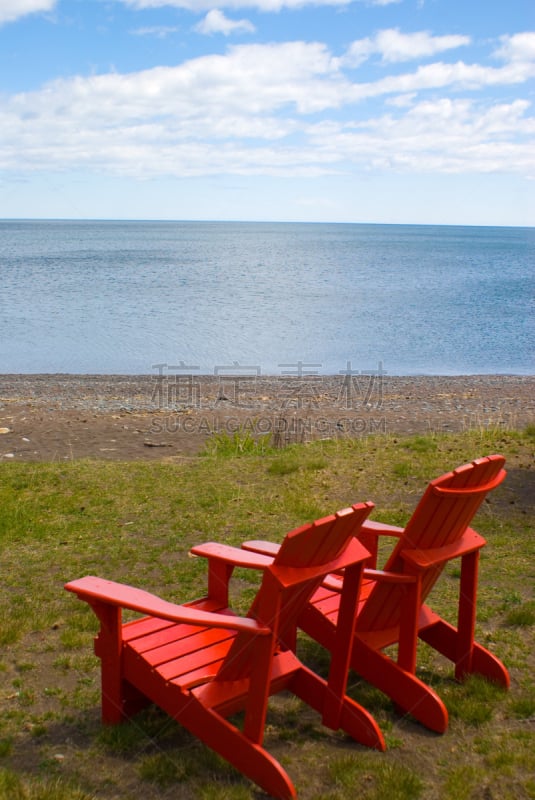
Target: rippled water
(122,297)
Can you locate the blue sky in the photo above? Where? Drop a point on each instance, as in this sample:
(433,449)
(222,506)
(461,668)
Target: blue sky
(396,111)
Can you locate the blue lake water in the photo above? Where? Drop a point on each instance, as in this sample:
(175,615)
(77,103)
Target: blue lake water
(122,297)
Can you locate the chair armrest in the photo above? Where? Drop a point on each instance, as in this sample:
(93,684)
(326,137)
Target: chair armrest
(469,542)
(381,576)
(381,528)
(261,546)
(333,582)
(232,555)
(369,534)
(98,590)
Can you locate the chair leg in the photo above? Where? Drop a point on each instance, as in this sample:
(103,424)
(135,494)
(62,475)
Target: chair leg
(466,621)
(108,647)
(406,691)
(443,637)
(120,698)
(352,718)
(221,736)
(486,664)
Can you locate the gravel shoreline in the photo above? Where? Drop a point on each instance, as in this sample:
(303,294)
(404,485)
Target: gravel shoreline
(143,416)
(149,392)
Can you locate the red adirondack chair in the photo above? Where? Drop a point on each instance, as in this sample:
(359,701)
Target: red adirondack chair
(201,663)
(392,608)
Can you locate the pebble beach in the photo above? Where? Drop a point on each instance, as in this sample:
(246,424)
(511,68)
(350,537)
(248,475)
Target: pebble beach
(50,417)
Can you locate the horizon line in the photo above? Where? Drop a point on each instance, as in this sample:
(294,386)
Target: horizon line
(262,222)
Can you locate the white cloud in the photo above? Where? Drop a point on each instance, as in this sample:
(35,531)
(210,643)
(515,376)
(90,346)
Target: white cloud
(251,111)
(520,47)
(402,100)
(442,75)
(11,10)
(159,31)
(445,136)
(200,6)
(216,22)
(394,46)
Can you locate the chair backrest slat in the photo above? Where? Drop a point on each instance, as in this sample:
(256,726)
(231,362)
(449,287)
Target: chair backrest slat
(445,510)
(315,545)
(322,540)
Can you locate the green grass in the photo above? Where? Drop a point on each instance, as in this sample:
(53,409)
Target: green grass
(523,616)
(135,522)
(372,778)
(225,445)
(14,787)
(474,703)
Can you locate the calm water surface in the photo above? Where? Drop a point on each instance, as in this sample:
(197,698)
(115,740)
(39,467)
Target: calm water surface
(122,297)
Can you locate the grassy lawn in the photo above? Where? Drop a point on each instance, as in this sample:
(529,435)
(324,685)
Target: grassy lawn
(135,522)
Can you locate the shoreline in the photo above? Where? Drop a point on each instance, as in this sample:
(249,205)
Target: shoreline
(60,386)
(132,417)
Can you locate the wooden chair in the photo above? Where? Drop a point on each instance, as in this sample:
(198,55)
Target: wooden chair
(201,663)
(392,608)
